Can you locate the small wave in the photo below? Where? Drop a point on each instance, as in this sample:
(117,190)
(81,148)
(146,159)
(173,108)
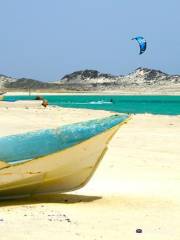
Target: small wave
(92,102)
(100,102)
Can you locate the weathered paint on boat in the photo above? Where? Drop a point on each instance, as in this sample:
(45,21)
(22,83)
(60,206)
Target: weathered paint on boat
(23,147)
(64,159)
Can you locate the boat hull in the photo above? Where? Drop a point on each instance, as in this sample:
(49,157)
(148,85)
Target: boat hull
(62,171)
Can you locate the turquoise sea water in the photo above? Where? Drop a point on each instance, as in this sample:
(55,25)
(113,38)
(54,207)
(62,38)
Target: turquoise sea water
(166,105)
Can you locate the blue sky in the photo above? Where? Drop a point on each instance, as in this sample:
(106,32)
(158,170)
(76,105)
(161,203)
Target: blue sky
(46,39)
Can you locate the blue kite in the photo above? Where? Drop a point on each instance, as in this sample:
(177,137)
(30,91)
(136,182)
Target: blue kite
(142,44)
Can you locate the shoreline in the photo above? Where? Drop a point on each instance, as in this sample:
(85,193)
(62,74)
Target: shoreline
(101,93)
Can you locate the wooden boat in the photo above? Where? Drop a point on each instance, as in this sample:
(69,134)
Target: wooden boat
(54,160)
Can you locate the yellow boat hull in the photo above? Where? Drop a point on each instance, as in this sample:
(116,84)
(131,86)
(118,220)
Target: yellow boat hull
(62,171)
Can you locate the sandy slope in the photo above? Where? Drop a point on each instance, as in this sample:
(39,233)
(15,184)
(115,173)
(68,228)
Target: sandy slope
(137,185)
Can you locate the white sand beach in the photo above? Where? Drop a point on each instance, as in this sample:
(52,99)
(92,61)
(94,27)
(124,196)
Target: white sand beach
(136,91)
(137,185)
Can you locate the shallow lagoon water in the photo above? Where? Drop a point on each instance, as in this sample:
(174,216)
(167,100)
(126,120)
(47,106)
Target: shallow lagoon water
(164,105)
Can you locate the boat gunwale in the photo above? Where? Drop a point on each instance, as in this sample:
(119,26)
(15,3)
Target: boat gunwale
(22,162)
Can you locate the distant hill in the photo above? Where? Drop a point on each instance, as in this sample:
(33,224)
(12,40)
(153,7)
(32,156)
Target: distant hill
(140,78)
(24,83)
(92,80)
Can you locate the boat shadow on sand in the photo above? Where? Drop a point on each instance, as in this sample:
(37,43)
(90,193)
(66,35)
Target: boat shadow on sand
(49,198)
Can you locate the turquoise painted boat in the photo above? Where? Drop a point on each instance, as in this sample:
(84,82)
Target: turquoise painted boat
(54,160)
